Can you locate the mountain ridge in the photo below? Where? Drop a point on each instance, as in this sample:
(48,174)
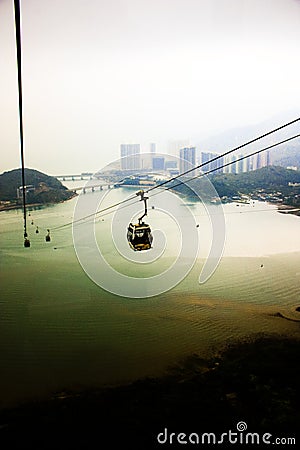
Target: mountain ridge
(287,154)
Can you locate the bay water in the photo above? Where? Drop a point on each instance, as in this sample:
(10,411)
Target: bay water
(59,330)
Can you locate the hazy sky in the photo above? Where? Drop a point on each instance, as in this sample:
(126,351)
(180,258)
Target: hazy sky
(97,73)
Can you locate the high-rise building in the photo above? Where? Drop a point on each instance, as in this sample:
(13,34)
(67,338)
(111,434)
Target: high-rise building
(226,161)
(231,166)
(246,165)
(187,160)
(130,156)
(239,164)
(204,161)
(261,160)
(235,166)
(158,163)
(207,164)
(256,162)
(152,147)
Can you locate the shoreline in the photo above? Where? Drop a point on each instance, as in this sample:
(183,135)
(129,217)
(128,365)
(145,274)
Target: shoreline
(281,208)
(34,205)
(30,205)
(288,209)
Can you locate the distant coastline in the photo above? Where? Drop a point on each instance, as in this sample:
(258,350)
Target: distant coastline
(281,208)
(10,207)
(273,185)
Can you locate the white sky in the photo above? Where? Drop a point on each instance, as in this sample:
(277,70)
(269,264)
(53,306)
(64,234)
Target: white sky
(99,73)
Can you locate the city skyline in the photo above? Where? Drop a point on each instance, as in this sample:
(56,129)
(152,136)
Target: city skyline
(134,71)
(190,156)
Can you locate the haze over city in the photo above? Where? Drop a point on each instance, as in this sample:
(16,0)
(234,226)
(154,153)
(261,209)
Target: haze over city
(97,74)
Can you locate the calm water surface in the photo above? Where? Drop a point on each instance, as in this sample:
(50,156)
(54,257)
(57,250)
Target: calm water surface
(59,330)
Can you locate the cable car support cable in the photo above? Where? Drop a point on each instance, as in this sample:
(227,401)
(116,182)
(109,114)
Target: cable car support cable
(19,64)
(226,153)
(107,210)
(227,164)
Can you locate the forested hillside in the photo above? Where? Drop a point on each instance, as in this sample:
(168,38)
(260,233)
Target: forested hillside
(46,189)
(268,179)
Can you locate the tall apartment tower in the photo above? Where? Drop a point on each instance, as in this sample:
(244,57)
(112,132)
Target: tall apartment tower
(130,154)
(235,166)
(246,165)
(231,166)
(261,160)
(152,147)
(187,160)
(267,157)
(205,157)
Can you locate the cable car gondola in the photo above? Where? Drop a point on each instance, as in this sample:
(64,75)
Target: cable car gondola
(47,237)
(26,241)
(139,235)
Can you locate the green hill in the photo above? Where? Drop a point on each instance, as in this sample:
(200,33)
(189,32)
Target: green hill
(269,179)
(45,189)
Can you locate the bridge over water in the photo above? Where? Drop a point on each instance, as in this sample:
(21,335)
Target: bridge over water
(82,176)
(93,187)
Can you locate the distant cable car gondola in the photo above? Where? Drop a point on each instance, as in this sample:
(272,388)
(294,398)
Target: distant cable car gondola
(139,235)
(47,237)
